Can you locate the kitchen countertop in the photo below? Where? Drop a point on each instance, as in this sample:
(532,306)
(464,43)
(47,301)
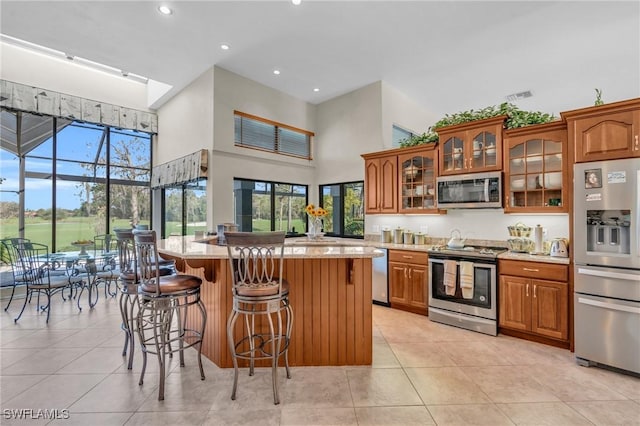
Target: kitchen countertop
(301,247)
(506,255)
(188,247)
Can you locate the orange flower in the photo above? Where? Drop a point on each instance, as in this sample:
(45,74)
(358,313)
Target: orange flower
(315,212)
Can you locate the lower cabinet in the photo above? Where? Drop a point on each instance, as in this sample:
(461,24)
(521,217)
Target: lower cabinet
(408,274)
(534,299)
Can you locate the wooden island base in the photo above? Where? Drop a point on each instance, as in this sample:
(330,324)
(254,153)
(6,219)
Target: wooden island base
(331,300)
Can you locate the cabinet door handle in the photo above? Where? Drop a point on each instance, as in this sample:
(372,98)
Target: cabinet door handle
(531,269)
(534,291)
(405,272)
(410,273)
(527,290)
(407,257)
(636,147)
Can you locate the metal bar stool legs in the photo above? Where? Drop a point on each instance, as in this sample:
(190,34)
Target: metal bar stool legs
(163,304)
(256,263)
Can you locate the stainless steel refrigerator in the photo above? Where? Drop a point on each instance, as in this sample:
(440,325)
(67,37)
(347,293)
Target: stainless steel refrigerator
(606,251)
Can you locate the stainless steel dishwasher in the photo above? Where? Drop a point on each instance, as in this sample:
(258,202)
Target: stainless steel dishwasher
(380,282)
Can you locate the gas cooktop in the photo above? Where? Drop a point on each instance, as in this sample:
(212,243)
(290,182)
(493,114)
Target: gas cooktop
(469,251)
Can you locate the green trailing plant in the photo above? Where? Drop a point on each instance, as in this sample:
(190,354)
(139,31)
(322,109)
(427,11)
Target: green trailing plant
(428,137)
(515,118)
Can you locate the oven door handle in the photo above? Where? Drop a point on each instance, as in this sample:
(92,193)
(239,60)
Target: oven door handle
(612,306)
(608,274)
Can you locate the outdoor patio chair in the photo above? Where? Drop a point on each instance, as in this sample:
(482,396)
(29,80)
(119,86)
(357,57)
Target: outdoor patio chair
(35,268)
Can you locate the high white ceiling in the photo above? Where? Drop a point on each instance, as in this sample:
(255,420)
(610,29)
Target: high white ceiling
(448,56)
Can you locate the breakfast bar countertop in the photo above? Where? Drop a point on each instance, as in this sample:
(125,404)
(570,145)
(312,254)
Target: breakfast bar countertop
(188,247)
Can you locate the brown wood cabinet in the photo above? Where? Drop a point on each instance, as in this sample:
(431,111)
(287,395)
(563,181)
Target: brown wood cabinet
(401,180)
(536,171)
(417,171)
(381,184)
(605,132)
(534,299)
(471,147)
(408,274)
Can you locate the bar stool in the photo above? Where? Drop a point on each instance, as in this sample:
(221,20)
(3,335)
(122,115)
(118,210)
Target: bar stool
(161,300)
(256,262)
(128,279)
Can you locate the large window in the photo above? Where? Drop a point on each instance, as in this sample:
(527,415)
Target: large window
(344,203)
(185,208)
(259,133)
(270,206)
(79,179)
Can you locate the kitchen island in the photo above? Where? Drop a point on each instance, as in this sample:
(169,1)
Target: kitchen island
(330,295)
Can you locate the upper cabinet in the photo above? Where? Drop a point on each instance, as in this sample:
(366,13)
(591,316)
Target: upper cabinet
(401,180)
(535,167)
(381,183)
(605,132)
(471,147)
(417,171)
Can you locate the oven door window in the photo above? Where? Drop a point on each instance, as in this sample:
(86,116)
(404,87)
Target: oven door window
(482,276)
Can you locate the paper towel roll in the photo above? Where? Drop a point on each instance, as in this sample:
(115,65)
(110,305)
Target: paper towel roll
(538,242)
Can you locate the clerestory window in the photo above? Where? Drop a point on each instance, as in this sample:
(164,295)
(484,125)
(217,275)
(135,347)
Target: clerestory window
(266,135)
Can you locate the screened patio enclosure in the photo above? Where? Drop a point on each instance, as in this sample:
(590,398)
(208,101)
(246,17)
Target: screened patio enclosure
(63,180)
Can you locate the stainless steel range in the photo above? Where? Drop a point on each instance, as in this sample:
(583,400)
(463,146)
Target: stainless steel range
(463,287)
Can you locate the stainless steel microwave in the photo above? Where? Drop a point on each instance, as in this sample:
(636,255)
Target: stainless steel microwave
(470,191)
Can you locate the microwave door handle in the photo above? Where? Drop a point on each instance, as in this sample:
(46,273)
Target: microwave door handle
(486,190)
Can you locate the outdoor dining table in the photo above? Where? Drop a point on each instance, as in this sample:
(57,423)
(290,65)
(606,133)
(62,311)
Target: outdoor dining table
(92,268)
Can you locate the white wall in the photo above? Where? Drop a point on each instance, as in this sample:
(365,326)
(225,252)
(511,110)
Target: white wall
(399,109)
(201,117)
(348,126)
(233,92)
(478,224)
(185,122)
(64,76)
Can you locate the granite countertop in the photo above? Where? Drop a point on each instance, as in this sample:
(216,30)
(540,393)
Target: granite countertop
(188,247)
(506,255)
(327,247)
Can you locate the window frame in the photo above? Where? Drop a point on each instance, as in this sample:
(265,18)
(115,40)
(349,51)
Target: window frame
(276,136)
(410,134)
(272,201)
(183,188)
(341,215)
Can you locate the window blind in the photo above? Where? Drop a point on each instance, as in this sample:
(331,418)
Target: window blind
(254,132)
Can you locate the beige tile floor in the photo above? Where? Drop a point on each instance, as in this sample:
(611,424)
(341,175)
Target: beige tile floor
(423,373)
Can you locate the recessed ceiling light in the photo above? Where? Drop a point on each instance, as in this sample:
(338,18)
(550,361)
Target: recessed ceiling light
(276,72)
(165,10)
(316,89)
(296,2)
(224,46)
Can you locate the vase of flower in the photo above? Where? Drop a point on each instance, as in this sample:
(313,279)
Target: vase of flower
(315,224)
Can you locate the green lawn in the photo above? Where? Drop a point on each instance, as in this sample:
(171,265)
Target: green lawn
(68,230)
(83,228)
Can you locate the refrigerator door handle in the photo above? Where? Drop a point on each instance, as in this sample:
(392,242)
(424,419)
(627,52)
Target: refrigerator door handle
(612,306)
(607,274)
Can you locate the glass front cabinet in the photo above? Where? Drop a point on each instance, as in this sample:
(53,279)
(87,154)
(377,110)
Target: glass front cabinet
(471,147)
(417,171)
(535,167)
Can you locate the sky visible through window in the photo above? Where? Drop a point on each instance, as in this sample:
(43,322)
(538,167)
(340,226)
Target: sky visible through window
(77,151)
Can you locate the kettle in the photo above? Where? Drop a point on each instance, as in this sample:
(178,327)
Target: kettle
(456,242)
(559,248)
